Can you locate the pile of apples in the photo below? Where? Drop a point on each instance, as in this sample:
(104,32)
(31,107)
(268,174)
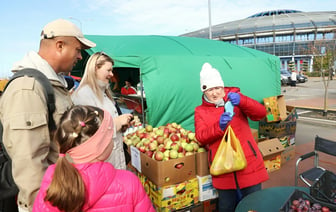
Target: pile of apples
(305,205)
(163,143)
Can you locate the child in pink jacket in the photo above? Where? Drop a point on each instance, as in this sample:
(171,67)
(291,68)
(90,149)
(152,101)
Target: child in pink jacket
(81,180)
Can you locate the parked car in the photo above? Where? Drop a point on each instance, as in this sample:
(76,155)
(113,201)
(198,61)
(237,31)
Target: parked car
(301,78)
(285,77)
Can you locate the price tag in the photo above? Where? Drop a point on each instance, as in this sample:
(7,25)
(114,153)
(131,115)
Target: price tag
(135,158)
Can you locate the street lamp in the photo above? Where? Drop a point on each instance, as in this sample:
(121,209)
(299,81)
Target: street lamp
(209,9)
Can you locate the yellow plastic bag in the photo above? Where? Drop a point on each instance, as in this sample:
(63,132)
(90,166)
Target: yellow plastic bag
(229,156)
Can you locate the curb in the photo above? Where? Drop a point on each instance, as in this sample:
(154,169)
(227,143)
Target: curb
(317,121)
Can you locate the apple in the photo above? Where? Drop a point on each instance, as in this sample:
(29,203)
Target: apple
(142,149)
(152,146)
(166,153)
(167,144)
(179,165)
(143,135)
(159,132)
(161,148)
(174,137)
(138,132)
(201,149)
(158,156)
(191,136)
(135,140)
(145,141)
(173,154)
(188,153)
(149,128)
(149,153)
(181,155)
(196,146)
(175,146)
(189,147)
(128,142)
(160,139)
(174,124)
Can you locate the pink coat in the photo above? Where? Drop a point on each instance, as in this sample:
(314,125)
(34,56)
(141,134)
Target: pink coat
(210,134)
(108,189)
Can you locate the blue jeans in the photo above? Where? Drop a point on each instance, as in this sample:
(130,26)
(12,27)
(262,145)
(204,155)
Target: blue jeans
(229,199)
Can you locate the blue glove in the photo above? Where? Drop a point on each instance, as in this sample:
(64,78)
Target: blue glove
(224,120)
(234,98)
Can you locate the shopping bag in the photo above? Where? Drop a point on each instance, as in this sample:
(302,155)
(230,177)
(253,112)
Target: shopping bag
(229,156)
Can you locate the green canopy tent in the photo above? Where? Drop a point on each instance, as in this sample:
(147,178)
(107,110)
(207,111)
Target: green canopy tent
(170,66)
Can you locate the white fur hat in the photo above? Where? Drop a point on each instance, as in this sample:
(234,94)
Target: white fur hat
(210,77)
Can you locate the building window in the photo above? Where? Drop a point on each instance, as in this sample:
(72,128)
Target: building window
(267,39)
(283,38)
(301,37)
(329,36)
(245,41)
(319,36)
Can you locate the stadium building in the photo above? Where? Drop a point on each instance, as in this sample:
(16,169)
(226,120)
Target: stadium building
(289,34)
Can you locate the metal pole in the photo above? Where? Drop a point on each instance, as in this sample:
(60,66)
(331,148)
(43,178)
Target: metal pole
(210,30)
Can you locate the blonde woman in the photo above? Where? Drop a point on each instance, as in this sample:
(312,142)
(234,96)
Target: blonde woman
(94,89)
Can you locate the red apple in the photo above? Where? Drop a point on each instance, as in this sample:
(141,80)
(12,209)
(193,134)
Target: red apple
(158,156)
(160,139)
(142,149)
(174,137)
(149,153)
(152,146)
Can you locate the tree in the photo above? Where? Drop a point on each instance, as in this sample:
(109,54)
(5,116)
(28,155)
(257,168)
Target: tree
(324,56)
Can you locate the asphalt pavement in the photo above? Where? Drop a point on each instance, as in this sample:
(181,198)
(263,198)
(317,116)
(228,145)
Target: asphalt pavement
(309,96)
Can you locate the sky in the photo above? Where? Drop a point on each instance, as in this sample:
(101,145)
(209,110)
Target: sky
(21,21)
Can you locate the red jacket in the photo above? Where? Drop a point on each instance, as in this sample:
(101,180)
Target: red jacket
(209,133)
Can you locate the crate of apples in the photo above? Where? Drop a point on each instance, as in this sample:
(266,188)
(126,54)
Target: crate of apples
(166,142)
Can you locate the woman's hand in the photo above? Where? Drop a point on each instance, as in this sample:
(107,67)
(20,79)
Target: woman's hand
(123,121)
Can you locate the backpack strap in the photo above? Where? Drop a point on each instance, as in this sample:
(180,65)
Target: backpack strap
(48,91)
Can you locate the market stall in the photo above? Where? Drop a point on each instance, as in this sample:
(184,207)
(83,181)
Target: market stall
(169,67)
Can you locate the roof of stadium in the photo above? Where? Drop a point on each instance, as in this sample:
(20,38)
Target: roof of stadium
(284,21)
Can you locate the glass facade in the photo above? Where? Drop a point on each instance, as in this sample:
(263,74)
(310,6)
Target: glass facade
(292,35)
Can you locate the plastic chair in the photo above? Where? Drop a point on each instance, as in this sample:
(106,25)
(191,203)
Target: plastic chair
(311,175)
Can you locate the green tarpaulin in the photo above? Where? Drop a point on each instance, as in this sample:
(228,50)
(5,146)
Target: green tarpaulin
(170,67)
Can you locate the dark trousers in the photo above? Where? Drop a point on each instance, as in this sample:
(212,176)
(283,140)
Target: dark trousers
(293,83)
(8,205)
(229,199)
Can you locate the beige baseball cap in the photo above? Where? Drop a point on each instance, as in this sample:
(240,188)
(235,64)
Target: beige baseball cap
(61,27)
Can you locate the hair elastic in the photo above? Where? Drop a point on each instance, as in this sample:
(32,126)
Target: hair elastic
(82,123)
(61,155)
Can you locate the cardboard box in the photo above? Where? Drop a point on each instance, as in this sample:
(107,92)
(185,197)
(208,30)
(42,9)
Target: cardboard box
(168,172)
(271,151)
(202,164)
(174,197)
(276,108)
(287,140)
(194,208)
(206,190)
(288,154)
(281,128)
(210,205)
